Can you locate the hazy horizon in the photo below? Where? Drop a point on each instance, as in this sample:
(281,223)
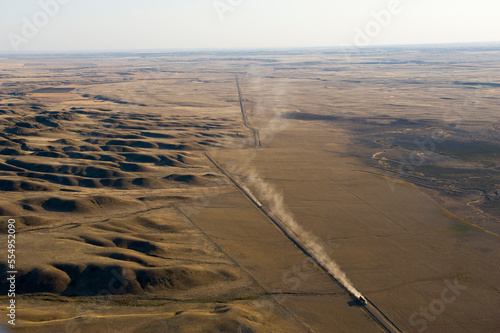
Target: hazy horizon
(495,44)
(72,25)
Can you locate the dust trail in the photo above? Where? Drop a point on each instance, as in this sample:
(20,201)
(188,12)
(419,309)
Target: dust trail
(275,202)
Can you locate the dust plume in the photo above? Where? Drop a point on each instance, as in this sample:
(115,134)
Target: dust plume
(275,203)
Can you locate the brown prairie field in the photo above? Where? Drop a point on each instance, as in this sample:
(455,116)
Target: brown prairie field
(231,191)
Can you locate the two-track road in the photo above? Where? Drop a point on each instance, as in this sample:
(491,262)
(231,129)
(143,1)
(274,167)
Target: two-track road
(246,123)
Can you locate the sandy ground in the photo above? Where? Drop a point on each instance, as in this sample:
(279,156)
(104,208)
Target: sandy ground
(125,225)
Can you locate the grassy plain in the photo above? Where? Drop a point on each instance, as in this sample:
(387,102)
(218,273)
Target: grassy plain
(387,156)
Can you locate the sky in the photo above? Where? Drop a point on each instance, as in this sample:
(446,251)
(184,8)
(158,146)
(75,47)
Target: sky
(110,25)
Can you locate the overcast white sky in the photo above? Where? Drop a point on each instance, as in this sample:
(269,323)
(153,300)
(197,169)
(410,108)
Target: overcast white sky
(187,24)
